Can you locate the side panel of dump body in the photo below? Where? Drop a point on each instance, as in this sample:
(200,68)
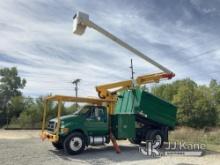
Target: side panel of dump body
(157,109)
(123,125)
(142,103)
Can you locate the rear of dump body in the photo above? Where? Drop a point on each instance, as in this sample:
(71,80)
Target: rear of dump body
(140,102)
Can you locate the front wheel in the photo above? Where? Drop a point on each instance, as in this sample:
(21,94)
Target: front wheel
(74,143)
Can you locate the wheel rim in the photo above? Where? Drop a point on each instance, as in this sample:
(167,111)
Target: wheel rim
(158,138)
(76,143)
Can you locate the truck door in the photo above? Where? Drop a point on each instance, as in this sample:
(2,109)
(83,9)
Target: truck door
(97,121)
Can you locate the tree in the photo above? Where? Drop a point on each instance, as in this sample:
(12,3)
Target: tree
(165,91)
(15,106)
(10,83)
(31,116)
(184,100)
(205,113)
(198,106)
(215,92)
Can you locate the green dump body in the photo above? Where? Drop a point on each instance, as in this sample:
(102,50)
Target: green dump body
(123,125)
(137,101)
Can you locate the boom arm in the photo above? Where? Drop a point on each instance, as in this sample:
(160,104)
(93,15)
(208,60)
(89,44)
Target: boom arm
(81,21)
(103,90)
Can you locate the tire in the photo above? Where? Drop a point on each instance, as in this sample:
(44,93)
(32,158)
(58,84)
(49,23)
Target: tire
(135,140)
(155,135)
(58,145)
(74,143)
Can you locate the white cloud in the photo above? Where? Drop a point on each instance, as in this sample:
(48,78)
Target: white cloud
(37,36)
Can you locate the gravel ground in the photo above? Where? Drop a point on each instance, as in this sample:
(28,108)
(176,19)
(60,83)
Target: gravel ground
(25,148)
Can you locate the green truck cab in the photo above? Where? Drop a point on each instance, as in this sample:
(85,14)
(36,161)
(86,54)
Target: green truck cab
(87,126)
(138,116)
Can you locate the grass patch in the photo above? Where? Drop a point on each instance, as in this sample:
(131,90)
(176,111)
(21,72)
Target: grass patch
(210,137)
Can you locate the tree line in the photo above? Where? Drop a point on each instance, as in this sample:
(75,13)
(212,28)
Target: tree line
(198,105)
(18,111)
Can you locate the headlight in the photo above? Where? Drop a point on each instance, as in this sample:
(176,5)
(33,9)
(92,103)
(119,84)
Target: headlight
(51,125)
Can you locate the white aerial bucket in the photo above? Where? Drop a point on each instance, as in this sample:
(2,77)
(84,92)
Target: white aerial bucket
(78,23)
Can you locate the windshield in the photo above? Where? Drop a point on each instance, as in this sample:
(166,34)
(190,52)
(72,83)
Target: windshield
(83,110)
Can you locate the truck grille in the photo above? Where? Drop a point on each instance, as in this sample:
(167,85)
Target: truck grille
(51,126)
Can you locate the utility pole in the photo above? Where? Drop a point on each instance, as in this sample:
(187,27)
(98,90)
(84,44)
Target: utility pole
(75,82)
(132,73)
(132,70)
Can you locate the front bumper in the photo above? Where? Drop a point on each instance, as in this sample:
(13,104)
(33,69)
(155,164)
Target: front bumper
(49,136)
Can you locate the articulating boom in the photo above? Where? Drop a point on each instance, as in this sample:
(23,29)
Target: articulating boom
(103,90)
(81,21)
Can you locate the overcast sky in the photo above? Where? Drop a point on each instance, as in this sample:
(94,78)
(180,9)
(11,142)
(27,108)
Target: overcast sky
(36,37)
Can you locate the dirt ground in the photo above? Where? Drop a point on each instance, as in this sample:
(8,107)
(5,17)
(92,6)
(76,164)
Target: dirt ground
(26,148)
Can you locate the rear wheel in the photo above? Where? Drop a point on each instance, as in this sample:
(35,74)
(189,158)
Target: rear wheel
(57,145)
(74,143)
(155,136)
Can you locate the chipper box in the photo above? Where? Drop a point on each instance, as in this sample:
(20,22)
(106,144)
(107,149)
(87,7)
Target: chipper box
(141,116)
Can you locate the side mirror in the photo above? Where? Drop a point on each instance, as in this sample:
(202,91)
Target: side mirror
(79,25)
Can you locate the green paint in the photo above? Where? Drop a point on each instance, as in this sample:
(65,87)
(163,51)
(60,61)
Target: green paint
(139,101)
(123,126)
